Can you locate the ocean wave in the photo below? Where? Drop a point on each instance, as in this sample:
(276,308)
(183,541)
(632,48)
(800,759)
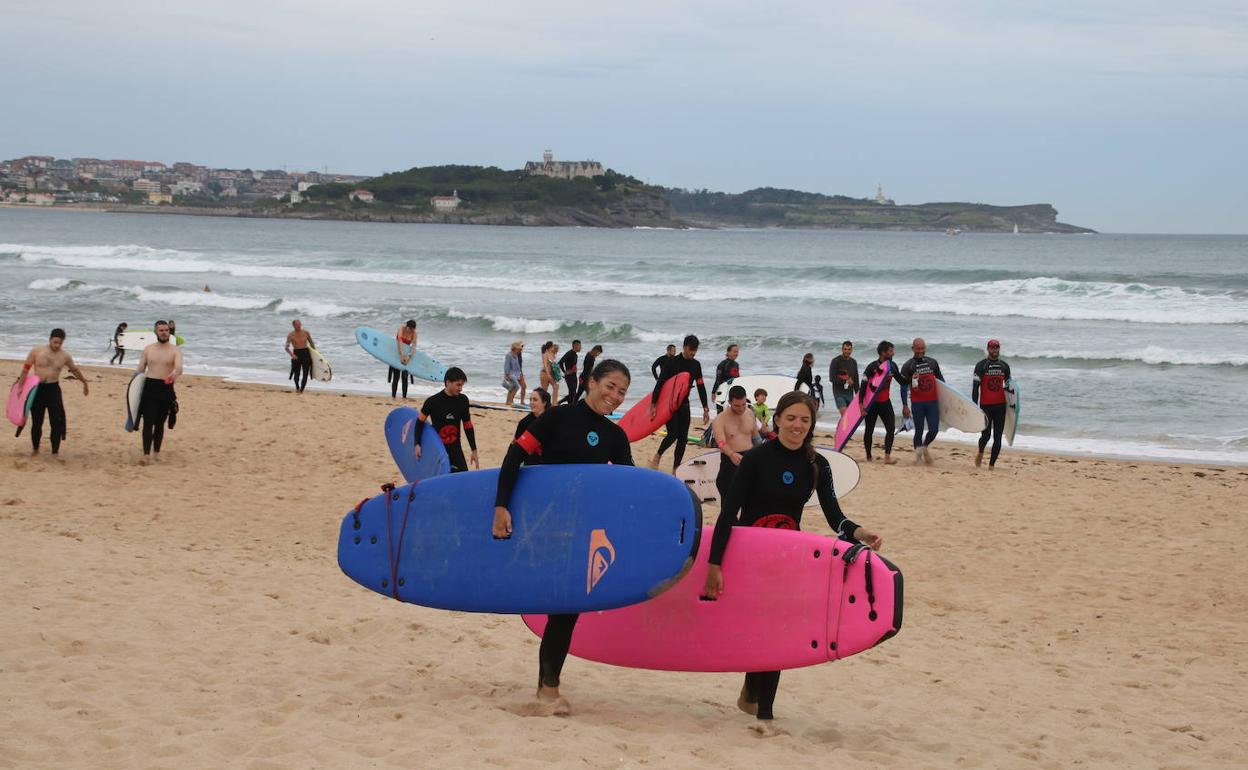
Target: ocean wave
(183,298)
(589,331)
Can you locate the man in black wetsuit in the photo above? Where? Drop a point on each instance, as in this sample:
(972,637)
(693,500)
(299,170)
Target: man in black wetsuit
(988,389)
(567,365)
(446,410)
(297,343)
(47,362)
(656,368)
(881,408)
(678,425)
(568,433)
(726,370)
(119,353)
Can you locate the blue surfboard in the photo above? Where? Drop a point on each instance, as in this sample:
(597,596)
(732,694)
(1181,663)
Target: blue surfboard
(584,537)
(403,425)
(384,348)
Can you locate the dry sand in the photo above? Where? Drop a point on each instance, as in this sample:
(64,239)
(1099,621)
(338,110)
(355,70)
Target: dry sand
(1059,613)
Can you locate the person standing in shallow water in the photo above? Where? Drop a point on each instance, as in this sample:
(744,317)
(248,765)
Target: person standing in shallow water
(565,434)
(47,362)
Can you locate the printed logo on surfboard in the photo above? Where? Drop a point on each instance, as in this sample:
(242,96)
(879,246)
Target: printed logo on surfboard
(407,428)
(601,557)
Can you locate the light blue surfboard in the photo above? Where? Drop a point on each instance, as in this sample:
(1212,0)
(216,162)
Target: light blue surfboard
(402,427)
(584,537)
(384,348)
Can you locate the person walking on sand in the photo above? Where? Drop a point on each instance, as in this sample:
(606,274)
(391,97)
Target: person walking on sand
(726,370)
(47,362)
(843,374)
(988,389)
(736,431)
(119,352)
(678,425)
(161,362)
(918,381)
(447,411)
(805,374)
(550,376)
(297,343)
(405,338)
(770,489)
(567,366)
(513,372)
(568,433)
(881,408)
(816,391)
(656,368)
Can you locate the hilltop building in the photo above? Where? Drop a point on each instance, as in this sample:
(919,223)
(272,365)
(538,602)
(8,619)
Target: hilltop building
(879,196)
(444,203)
(563,169)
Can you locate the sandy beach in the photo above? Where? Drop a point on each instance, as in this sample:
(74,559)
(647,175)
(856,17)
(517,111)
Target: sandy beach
(1060,612)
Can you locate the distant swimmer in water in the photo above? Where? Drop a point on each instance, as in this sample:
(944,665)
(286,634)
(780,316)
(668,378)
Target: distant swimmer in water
(736,431)
(726,370)
(119,352)
(47,362)
(805,374)
(206,288)
(446,411)
(297,343)
(881,407)
(678,425)
(656,368)
(843,374)
(162,363)
(405,342)
(988,389)
(918,378)
(568,433)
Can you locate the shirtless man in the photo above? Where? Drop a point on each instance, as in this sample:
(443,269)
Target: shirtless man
(297,344)
(47,362)
(735,432)
(162,363)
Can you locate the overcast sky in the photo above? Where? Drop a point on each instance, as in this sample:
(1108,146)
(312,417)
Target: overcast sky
(1128,116)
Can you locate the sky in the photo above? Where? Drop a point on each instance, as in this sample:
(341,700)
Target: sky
(1128,116)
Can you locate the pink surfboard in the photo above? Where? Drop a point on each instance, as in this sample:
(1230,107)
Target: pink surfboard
(790,600)
(856,411)
(636,422)
(21,394)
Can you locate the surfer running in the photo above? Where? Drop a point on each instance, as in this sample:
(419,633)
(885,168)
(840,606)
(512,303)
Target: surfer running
(539,402)
(446,410)
(567,365)
(162,363)
(770,489)
(119,352)
(568,433)
(46,362)
(297,344)
(678,425)
(881,407)
(656,368)
(805,374)
(725,370)
(587,368)
(736,431)
(405,342)
(918,380)
(988,389)
(843,374)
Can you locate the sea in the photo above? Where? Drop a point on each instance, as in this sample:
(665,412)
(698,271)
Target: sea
(1123,345)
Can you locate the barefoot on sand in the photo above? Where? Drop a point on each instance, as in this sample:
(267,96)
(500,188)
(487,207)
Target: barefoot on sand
(765,728)
(544,705)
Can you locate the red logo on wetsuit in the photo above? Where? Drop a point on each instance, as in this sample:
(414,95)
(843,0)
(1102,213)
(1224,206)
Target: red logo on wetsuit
(776,521)
(449,434)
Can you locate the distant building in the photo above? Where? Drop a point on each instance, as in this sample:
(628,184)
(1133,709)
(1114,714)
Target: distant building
(157,198)
(562,169)
(187,187)
(879,196)
(296,197)
(145,185)
(363,196)
(40,198)
(445,202)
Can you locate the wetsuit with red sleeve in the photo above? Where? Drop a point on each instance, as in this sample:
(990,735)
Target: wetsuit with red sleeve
(881,408)
(919,376)
(725,370)
(988,389)
(770,489)
(446,413)
(568,433)
(678,426)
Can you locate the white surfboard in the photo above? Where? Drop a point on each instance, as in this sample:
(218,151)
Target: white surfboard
(699,474)
(776,386)
(1011,411)
(958,411)
(134,396)
(320,366)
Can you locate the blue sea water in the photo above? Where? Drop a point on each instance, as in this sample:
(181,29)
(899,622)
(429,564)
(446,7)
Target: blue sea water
(1126,345)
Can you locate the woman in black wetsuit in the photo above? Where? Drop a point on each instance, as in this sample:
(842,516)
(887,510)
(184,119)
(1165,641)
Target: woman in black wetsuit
(770,489)
(804,374)
(568,433)
(539,402)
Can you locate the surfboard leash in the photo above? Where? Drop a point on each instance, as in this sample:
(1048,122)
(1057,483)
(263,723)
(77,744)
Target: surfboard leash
(392,548)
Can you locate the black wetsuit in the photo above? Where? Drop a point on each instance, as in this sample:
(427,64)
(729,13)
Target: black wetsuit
(47,399)
(678,425)
(567,365)
(583,384)
(568,433)
(988,389)
(656,368)
(881,408)
(303,367)
(725,370)
(805,376)
(154,408)
(524,424)
(119,353)
(816,392)
(396,377)
(770,489)
(445,413)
